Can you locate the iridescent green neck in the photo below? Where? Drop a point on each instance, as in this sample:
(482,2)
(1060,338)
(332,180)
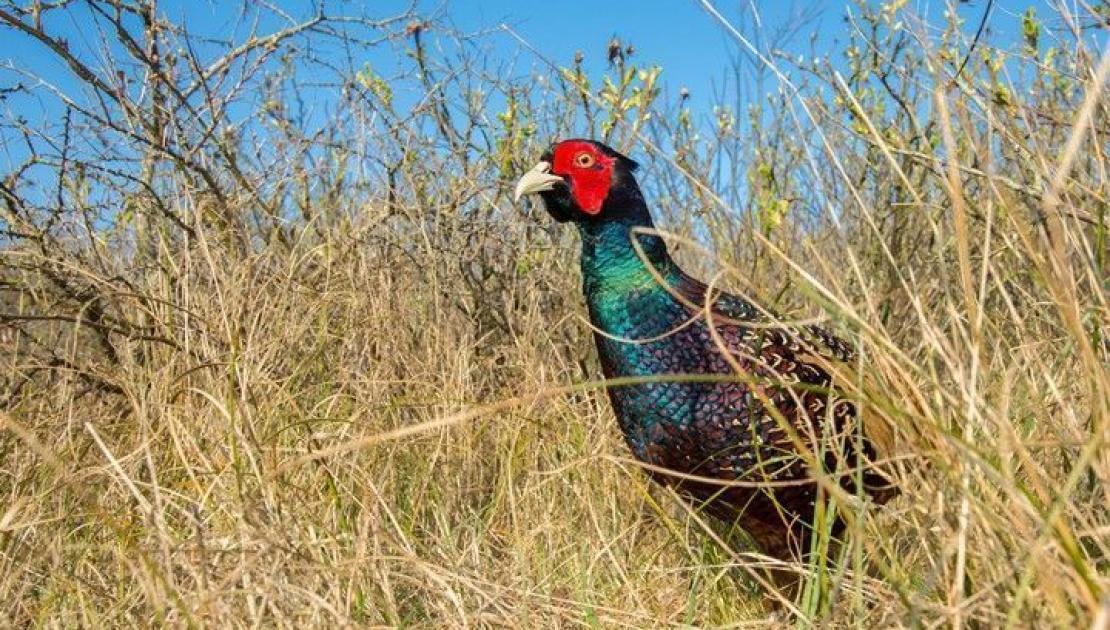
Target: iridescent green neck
(611,263)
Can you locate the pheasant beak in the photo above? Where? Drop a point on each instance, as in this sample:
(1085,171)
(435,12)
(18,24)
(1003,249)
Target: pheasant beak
(536,180)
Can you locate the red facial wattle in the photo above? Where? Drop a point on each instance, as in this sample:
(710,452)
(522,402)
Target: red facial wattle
(589,185)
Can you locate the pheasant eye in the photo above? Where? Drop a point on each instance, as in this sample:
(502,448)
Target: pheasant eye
(583,160)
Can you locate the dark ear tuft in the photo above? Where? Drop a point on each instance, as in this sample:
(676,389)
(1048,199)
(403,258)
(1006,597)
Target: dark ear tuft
(628,163)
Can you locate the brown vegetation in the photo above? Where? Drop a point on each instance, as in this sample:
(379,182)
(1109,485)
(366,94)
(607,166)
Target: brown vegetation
(301,368)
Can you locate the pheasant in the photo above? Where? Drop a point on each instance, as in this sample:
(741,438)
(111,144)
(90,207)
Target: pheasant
(734,411)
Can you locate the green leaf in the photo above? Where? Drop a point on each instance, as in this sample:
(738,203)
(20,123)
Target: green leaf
(1030,28)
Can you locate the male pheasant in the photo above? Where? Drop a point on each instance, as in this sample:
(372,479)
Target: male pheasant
(723,392)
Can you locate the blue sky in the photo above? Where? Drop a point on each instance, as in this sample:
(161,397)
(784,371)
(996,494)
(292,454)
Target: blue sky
(678,35)
(675,34)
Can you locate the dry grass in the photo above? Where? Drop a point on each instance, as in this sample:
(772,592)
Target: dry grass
(377,404)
